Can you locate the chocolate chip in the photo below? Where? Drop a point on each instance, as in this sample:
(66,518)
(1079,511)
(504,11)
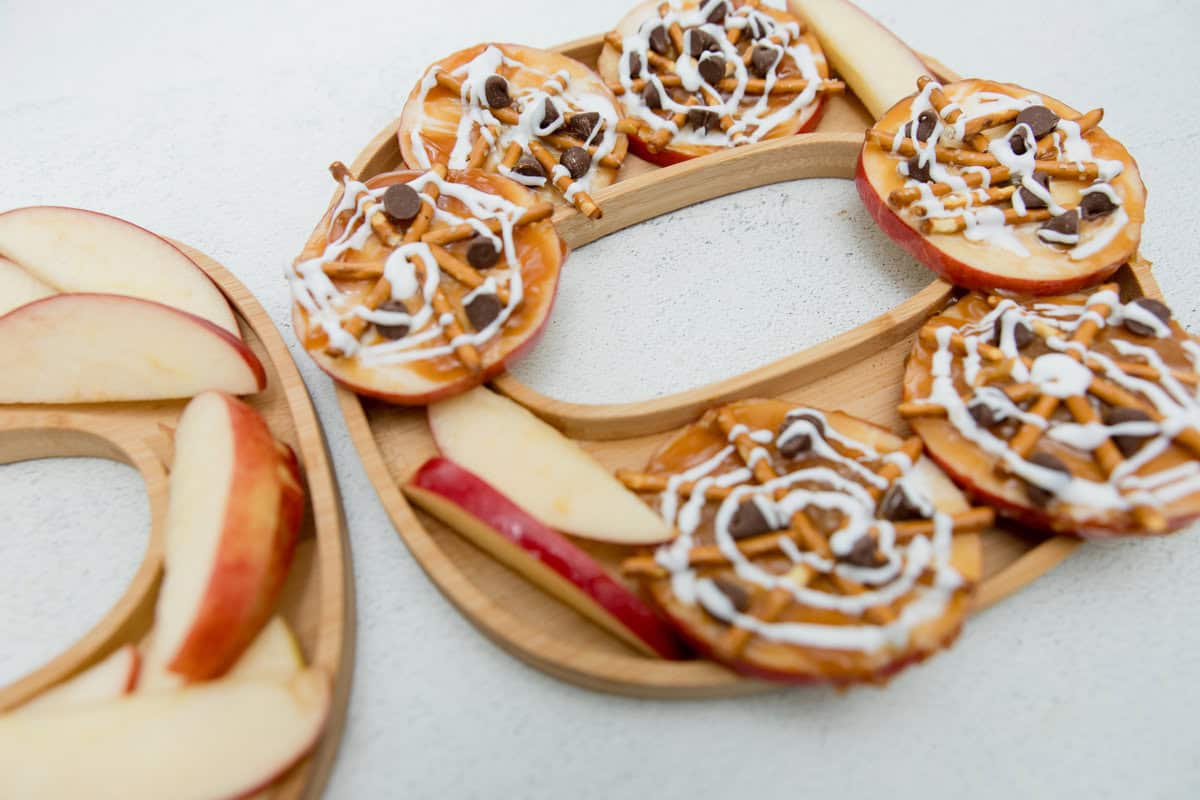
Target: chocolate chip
(635,65)
(495,91)
(1155,307)
(762,58)
(983,414)
(700,118)
(1065,224)
(918,171)
(737,594)
(748,520)
(529,166)
(659,42)
(393,332)
(577,161)
(1127,443)
(700,41)
(1096,204)
(799,443)
(401,202)
(1030,199)
(1022,333)
(482,253)
(1040,120)
(717,15)
(926,122)
(712,69)
(652,97)
(862,554)
(581,125)
(482,309)
(896,505)
(1037,495)
(1017,142)
(550,114)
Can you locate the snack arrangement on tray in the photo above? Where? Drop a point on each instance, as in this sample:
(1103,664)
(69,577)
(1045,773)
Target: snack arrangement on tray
(781,540)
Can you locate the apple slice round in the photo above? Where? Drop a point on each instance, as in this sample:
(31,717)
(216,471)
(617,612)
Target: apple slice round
(1043,201)
(440,126)
(755,79)
(410,352)
(813,546)
(1061,424)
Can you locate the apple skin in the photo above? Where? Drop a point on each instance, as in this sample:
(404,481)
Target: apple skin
(949,268)
(445,479)
(669,156)
(258,538)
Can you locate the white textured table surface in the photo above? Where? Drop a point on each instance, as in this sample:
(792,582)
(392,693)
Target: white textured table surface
(214,122)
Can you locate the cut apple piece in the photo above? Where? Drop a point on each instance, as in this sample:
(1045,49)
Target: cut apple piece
(1073,216)
(490,520)
(220,739)
(541,470)
(414,353)
(702,115)
(878,66)
(273,655)
(74,250)
(232,521)
(90,348)
(112,677)
(18,287)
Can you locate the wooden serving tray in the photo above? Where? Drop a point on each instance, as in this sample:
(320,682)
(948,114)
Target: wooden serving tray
(318,599)
(859,371)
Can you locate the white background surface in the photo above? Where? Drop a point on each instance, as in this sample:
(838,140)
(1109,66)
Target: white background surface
(214,122)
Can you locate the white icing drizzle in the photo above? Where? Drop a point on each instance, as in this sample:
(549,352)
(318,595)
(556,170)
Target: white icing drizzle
(328,307)
(752,122)
(822,487)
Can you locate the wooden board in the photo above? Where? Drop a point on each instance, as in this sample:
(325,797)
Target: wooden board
(858,371)
(318,599)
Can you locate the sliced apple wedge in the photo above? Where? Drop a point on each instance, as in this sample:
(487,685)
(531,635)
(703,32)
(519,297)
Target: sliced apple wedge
(219,739)
(18,287)
(495,524)
(541,470)
(89,348)
(879,67)
(232,522)
(273,655)
(112,677)
(75,250)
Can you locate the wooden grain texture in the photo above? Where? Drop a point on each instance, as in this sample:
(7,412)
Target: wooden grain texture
(858,371)
(318,598)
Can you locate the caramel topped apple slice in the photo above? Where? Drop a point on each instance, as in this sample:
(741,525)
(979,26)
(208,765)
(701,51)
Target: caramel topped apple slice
(812,546)
(702,75)
(540,118)
(995,187)
(416,286)
(1077,414)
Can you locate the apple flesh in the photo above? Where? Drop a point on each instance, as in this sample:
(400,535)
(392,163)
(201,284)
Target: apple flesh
(541,470)
(215,740)
(74,250)
(880,68)
(18,287)
(233,518)
(89,348)
(608,65)
(541,254)
(981,265)
(114,676)
(273,655)
(494,523)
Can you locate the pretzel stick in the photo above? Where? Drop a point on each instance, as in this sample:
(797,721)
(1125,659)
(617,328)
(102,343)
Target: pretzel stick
(958,224)
(1046,147)
(944,155)
(767,608)
(629,125)
(979,124)
(978,142)
(663,135)
(562,142)
(479,150)
(1116,395)
(456,233)
(676,34)
(454,86)
(381,226)
(512,154)
(455,327)
(734,36)
(564,183)
(910,194)
(939,101)
(785,86)
(463,272)
(643,482)
(991,196)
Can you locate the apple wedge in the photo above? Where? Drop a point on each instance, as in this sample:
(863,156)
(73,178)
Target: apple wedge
(114,676)
(215,740)
(75,250)
(541,470)
(232,521)
(879,67)
(88,348)
(494,523)
(273,655)
(18,287)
